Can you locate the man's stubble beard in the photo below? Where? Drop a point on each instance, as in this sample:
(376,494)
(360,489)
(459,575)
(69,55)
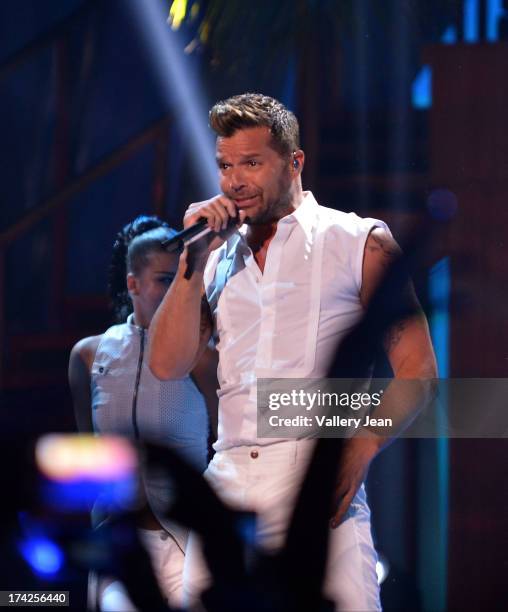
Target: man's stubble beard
(278,208)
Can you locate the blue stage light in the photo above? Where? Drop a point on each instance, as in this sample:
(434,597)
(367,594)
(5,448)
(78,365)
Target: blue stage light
(471,21)
(421,91)
(43,555)
(495,11)
(450,36)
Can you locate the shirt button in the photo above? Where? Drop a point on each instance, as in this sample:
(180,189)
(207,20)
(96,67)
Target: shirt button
(254,454)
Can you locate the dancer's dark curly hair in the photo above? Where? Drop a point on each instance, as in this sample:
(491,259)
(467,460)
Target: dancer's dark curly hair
(131,250)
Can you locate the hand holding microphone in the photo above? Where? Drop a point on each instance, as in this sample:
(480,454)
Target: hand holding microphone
(207,225)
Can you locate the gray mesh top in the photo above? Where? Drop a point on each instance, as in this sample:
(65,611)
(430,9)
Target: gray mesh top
(127,399)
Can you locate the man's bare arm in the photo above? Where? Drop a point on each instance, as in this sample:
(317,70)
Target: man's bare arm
(411,356)
(407,343)
(181,327)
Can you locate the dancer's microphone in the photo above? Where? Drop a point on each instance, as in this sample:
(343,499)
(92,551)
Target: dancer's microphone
(186,236)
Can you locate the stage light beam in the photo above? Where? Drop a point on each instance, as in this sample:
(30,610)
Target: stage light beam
(179,87)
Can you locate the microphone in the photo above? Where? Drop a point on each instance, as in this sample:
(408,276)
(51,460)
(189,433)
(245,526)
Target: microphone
(186,236)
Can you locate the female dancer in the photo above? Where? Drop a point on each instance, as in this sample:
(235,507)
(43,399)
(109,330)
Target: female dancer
(114,392)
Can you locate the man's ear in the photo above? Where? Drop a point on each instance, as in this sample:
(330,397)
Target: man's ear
(132,284)
(298,160)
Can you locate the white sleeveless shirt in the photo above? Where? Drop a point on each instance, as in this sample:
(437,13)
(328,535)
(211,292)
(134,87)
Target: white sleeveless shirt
(287,321)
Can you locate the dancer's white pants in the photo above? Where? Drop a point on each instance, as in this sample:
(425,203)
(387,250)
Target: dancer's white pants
(167,560)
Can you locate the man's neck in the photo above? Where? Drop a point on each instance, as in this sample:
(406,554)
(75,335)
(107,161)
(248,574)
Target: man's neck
(259,235)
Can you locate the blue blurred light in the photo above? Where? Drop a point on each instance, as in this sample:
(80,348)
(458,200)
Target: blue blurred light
(81,494)
(439,296)
(436,541)
(246,528)
(179,87)
(43,555)
(471,21)
(421,90)
(494,12)
(449,36)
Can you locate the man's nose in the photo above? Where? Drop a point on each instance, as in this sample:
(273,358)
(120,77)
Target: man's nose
(237,179)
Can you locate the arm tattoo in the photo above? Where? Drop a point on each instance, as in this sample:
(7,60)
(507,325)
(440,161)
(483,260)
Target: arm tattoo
(394,334)
(383,245)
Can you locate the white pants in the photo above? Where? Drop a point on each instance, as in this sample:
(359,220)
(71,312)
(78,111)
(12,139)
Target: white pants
(266,479)
(167,559)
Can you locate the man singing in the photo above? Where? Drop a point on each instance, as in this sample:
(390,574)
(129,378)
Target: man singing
(278,283)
